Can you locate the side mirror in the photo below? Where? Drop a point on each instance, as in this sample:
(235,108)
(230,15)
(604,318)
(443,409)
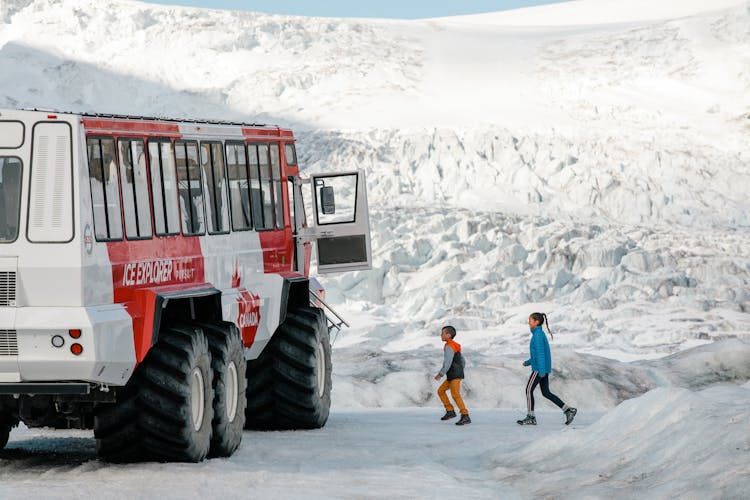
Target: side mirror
(327,200)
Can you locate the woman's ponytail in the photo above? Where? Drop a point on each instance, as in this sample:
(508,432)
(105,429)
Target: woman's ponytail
(541,318)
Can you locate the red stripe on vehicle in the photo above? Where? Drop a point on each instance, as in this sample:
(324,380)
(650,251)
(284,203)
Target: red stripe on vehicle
(142,269)
(130,126)
(264,133)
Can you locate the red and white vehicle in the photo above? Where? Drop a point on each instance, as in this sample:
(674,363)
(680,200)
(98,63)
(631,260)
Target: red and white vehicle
(154,280)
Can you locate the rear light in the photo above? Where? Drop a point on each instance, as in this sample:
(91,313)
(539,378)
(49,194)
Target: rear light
(58,341)
(74,334)
(52,117)
(76,349)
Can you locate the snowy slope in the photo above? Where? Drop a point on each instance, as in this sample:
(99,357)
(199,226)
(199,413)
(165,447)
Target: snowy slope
(597,171)
(624,121)
(667,443)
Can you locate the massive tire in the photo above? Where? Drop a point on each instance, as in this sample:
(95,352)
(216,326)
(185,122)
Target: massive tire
(6,424)
(4,435)
(228,365)
(5,427)
(289,385)
(118,438)
(165,412)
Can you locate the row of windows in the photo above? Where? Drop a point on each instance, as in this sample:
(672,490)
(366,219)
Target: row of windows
(190,186)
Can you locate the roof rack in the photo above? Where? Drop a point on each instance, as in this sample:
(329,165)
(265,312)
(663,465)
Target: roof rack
(156,118)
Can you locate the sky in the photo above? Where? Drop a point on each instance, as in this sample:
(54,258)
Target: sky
(395,9)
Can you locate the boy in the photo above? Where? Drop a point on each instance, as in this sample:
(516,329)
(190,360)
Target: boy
(453,369)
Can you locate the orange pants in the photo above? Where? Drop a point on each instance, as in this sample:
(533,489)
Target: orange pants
(455,387)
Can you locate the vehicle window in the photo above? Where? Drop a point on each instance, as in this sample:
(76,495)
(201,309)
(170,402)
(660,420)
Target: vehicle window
(11,134)
(164,187)
(266,186)
(212,163)
(105,188)
(276,176)
(134,180)
(293,211)
(239,186)
(189,188)
(260,189)
(11,169)
(344,204)
(291,154)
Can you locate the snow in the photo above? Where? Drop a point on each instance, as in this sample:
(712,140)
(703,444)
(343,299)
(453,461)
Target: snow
(670,441)
(586,159)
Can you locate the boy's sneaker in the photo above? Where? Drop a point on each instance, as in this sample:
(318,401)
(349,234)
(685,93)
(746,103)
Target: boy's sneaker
(464,420)
(570,414)
(529,420)
(448,415)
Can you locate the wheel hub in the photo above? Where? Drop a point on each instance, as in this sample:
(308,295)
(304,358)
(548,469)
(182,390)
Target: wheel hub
(198,397)
(232,386)
(320,357)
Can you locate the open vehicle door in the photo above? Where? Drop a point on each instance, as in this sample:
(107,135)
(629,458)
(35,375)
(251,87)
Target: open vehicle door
(341,221)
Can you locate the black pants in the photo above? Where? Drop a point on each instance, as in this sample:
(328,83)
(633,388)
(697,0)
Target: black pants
(543,381)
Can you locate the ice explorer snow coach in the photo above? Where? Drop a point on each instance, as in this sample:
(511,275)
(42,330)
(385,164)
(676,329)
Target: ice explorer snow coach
(154,281)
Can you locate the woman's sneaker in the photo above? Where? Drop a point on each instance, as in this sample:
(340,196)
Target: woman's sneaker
(529,420)
(570,414)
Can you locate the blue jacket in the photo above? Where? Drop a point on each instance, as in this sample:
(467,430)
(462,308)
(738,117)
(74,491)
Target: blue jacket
(541,358)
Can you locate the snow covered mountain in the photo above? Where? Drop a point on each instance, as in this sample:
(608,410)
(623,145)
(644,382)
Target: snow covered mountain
(590,160)
(593,165)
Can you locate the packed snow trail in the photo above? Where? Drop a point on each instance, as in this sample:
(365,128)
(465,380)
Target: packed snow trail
(404,453)
(668,442)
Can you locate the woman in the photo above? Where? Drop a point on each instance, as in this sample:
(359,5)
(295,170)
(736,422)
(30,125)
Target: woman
(541,366)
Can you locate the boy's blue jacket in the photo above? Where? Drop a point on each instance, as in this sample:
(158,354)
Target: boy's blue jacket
(541,358)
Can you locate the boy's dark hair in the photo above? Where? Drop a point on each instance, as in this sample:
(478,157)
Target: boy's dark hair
(450,330)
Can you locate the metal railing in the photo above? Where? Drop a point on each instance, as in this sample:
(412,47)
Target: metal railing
(327,308)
